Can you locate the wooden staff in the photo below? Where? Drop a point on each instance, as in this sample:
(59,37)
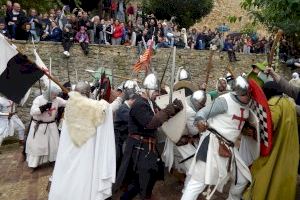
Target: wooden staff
(228,68)
(209,67)
(273,49)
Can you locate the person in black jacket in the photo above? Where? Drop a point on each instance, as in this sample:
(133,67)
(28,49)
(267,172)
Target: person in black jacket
(15,20)
(67,38)
(141,165)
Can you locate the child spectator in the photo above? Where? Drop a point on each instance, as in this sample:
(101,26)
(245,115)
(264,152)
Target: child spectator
(67,39)
(27,34)
(83,39)
(3,29)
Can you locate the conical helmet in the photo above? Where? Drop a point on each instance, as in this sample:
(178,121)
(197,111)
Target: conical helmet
(241,86)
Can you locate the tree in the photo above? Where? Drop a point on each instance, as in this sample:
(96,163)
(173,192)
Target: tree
(185,11)
(43,5)
(276,14)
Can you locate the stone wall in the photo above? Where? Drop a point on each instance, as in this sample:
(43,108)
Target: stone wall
(121,59)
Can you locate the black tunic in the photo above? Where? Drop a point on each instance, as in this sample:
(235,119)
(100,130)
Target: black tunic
(139,166)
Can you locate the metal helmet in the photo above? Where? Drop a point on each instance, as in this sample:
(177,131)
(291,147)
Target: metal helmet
(183,75)
(150,82)
(241,86)
(131,84)
(198,99)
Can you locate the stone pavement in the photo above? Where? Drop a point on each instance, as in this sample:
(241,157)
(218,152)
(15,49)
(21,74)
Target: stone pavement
(18,183)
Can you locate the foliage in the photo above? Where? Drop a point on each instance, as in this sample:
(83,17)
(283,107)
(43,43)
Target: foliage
(187,12)
(249,29)
(276,14)
(41,5)
(233,19)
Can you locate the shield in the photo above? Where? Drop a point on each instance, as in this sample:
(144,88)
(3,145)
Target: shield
(186,85)
(260,107)
(174,128)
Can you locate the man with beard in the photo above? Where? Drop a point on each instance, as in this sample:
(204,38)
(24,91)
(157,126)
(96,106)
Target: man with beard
(220,89)
(141,164)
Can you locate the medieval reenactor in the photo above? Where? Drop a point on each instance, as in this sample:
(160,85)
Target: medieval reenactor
(141,165)
(188,143)
(85,167)
(9,120)
(221,88)
(217,157)
(43,137)
(121,118)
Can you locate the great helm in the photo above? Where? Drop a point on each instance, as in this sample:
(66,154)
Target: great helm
(150,82)
(198,99)
(241,86)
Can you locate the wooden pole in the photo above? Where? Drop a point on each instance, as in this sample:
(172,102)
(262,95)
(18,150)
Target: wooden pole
(209,67)
(273,49)
(172,75)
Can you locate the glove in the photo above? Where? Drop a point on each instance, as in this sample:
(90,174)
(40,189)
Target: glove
(45,107)
(177,105)
(173,108)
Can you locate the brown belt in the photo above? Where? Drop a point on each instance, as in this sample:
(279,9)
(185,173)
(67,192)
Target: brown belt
(188,139)
(146,140)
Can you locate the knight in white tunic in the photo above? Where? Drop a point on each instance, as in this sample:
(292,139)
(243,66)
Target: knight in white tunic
(221,124)
(85,168)
(188,143)
(9,120)
(43,136)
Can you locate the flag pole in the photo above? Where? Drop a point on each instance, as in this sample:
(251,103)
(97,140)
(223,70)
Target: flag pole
(49,76)
(49,86)
(172,75)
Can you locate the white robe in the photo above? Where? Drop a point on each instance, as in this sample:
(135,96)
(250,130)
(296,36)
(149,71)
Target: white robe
(181,152)
(86,172)
(7,127)
(42,146)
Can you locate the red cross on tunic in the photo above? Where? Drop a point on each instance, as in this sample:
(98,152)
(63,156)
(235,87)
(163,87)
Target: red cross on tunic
(50,111)
(241,118)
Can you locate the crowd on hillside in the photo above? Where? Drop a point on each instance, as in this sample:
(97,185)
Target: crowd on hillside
(123,25)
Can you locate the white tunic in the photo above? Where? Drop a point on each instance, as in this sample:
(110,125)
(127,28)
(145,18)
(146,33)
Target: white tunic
(86,172)
(42,144)
(174,154)
(8,126)
(229,125)
(188,149)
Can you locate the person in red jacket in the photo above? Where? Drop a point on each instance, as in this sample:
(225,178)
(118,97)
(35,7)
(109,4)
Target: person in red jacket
(117,33)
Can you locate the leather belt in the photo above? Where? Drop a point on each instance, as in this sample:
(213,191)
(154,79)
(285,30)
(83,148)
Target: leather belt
(146,140)
(221,137)
(37,124)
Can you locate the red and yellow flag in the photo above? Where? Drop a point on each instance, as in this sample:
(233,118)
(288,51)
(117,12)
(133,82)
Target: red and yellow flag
(144,61)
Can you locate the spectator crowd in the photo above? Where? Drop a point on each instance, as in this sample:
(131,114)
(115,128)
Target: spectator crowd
(121,24)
